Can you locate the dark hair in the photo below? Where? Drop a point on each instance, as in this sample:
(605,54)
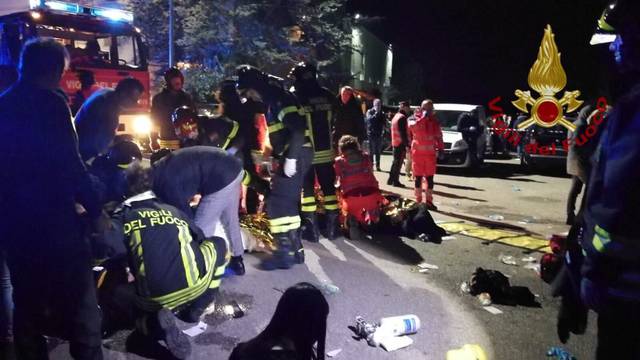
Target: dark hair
(348,142)
(139,178)
(129,84)
(42,57)
(300,316)
(159,155)
(404,103)
(86,77)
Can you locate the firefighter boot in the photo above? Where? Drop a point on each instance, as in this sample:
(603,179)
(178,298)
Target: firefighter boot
(429,200)
(296,241)
(418,193)
(310,230)
(332,225)
(283,256)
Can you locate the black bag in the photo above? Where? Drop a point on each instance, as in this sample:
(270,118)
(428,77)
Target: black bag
(419,221)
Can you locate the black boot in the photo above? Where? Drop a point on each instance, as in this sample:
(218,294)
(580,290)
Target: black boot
(176,341)
(283,256)
(237,265)
(296,241)
(332,225)
(310,230)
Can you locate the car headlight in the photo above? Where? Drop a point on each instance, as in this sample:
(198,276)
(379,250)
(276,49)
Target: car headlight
(460,144)
(142,125)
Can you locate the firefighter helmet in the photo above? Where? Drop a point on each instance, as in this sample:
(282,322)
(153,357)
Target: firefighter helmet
(185,122)
(613,18)
(249,77)
(124,153)
(303,72)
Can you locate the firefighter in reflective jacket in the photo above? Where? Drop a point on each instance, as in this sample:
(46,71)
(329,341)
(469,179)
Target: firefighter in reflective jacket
(218,131)
(292,153)
(426,141)
(359,192)
(319,106)
(176,270)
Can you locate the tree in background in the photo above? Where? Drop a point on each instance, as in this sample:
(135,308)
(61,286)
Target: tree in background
(214,37)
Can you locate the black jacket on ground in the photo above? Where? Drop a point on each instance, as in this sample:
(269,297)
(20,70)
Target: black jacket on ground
(194,170)
(349,120)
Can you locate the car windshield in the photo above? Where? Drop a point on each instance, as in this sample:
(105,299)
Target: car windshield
(95,49)
(448,119)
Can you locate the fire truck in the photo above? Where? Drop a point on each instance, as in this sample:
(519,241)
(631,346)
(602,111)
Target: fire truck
(99,40)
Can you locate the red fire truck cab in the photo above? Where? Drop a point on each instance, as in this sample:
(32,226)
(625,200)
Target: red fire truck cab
(100,40)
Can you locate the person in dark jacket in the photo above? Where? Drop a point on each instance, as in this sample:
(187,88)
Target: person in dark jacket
(87,87)
(165,103)
(97,120)
(43,180)
(376,122)
(349,119)
(216,176)
(299,323)
(610,237)
(110,169)
(469,125)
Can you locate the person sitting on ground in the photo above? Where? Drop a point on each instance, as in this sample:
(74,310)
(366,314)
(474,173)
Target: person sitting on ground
(359,192)
(299,323)
(176,269)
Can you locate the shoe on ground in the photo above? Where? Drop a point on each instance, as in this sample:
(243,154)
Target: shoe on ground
(236,264)
(432,207)
(176,341)
(389,182)
(278,261)
(398,184)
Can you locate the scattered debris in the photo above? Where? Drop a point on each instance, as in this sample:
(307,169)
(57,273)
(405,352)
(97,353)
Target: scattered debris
(485,299)
(497,285)
(560,354)
(233,309)
(492,309)
(465,287)
(448,237)
(496,217)
(533,266)
(529,259)
(196,330)
(423,270)
(515,188)
(389,332)
(334,353)
(508,259)
(467,352)
(393,343)
(329,289)
(428,266)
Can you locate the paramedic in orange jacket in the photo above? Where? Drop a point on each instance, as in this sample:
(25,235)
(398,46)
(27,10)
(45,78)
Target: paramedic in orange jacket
(426,140)
(359,192)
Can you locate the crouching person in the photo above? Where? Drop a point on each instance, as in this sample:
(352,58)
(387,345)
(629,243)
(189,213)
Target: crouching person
(361,200)
(176,270)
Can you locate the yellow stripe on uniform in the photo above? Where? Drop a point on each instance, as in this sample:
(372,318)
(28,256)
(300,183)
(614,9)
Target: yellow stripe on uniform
(331,202)
(289,109)
(232,135)
(246,178)
(276,127)
(188,257)
(284,224)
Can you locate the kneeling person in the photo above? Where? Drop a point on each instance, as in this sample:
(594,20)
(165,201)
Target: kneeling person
(176,269)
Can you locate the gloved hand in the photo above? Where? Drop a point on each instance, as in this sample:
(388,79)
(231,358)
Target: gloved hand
(290,167)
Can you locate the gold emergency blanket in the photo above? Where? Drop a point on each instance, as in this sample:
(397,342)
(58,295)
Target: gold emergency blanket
(257,226)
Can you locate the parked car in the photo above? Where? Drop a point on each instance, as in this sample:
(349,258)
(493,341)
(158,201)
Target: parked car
(456,149)
(543,147)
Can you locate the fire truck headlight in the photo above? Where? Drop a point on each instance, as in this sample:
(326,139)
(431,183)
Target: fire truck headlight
(142,125)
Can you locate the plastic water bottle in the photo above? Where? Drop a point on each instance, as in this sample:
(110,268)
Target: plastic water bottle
(400,325)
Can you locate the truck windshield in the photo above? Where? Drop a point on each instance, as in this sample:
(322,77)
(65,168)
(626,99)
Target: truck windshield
(95,49)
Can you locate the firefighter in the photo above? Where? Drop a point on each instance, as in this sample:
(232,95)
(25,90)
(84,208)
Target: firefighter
(218,131)
(87,87)
(399,142)
(426,141)
(319,106)
(609,236)
(176,269)
(293,153)
(110,169)
(163,105)
(214,175)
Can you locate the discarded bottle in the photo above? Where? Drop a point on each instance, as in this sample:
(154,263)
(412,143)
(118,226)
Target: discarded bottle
(329,289)
(496,217)
(400,325)
(560,354)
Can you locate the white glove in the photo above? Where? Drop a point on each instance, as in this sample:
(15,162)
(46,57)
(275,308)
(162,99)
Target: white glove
(290,167)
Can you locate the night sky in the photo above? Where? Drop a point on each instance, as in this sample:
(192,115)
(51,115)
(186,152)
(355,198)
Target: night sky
(474,50)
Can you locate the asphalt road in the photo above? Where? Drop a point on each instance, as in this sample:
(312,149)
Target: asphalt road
(377,278)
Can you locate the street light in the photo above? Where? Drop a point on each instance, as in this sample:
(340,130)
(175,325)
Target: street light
(357,17)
